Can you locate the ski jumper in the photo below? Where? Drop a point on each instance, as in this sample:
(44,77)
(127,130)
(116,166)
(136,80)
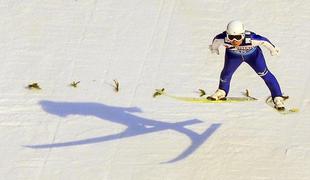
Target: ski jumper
(249,52)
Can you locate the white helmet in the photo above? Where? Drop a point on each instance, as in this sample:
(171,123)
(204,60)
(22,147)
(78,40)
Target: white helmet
(235,27)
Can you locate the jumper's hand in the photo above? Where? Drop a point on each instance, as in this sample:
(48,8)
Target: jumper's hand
(275,52)
(214,50)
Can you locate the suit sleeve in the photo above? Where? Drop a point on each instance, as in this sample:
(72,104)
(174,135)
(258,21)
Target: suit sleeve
(217,42)
(258,40)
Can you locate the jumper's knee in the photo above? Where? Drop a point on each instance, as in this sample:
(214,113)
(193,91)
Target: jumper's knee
(263,73)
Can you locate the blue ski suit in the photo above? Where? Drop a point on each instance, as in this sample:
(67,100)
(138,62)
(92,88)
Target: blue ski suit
(249,52)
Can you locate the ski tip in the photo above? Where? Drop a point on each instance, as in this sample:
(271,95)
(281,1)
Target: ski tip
(116,85)
(74,84)
(246,93)
(201,92)
(34,86)
(158,92)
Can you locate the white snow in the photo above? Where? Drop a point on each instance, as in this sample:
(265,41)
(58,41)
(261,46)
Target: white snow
(61,132)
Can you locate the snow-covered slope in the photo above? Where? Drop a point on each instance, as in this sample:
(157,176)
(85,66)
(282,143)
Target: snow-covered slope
(93,132)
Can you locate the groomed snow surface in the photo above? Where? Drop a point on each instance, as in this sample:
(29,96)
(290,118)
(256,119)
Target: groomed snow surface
(92,132)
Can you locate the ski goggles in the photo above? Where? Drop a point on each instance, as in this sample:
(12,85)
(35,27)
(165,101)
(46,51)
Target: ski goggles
(235,37)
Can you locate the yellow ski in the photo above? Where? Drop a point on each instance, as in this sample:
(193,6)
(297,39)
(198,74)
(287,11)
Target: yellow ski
(159,92)
(283,111)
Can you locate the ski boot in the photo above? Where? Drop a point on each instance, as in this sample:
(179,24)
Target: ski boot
(279,103)
(218,95)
